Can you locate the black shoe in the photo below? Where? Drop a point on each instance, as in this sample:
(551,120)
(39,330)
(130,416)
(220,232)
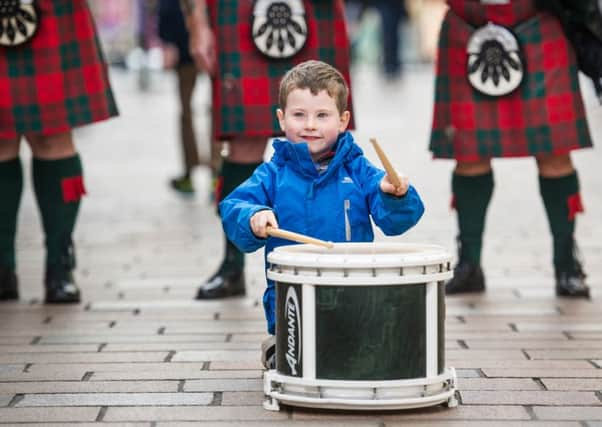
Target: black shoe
(571,284)
(223,284)
(570,278)
(9,289)
(182,185)
(467,278)
(60,286)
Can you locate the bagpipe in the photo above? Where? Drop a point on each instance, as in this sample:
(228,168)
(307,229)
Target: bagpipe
(582,23)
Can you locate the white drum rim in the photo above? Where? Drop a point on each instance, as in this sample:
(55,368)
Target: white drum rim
(355,280)
(360,255)
(447,380)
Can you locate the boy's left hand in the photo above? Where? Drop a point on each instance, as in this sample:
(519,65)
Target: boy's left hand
(387,187)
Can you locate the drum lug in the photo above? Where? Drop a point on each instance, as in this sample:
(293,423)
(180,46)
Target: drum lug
(452,402)
(271,404)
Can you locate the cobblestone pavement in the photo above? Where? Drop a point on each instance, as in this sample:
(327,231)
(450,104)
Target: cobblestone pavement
(140,351)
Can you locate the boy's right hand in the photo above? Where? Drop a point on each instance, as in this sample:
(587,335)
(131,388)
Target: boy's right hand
(260,221)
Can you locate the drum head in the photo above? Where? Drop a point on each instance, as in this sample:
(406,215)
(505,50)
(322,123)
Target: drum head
(359,255)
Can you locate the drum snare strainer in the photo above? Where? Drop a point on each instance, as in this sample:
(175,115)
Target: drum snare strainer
(360,326)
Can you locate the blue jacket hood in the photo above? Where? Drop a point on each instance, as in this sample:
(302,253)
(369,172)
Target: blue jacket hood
(297,156)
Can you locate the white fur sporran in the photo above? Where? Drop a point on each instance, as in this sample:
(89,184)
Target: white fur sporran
(18,22)
(279,27)
(495,66)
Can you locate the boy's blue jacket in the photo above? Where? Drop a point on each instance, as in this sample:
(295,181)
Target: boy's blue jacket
(314,204)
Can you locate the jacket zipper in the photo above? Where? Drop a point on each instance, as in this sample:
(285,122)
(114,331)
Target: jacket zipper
(347,207)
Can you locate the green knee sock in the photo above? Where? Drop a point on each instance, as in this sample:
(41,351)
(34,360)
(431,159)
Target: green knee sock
(58,186)
(11,187)
(230,177)
(471,195)
(562,202)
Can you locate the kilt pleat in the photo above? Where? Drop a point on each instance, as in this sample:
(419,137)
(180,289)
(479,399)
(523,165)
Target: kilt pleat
(58,80)
(544,115)
(245,89)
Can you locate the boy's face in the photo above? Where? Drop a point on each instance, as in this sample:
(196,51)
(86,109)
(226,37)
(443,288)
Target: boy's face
(314,119)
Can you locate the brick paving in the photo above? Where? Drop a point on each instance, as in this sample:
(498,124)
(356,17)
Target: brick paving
(139,351)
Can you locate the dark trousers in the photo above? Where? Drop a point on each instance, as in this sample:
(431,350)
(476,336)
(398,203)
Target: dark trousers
(392,12)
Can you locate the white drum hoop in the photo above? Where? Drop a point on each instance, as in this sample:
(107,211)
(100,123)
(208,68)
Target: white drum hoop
(375,263)
(359,395)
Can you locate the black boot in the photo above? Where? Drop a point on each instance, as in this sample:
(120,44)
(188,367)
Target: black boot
(227,282)
(570,278)
(59,282)
(230,278)
(571,284)
(9,289)
(468,278)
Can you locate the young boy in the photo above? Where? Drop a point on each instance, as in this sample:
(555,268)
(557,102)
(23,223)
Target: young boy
(318,182)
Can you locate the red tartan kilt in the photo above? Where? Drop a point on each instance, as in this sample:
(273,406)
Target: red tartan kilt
(544,115)
(58,80)
(245,89)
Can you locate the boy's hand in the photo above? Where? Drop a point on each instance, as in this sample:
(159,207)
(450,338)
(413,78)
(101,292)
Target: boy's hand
(387,187)
(259,222)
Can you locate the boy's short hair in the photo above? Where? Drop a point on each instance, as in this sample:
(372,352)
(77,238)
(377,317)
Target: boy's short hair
(315,76)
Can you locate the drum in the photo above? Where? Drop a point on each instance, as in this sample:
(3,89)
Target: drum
(360,326)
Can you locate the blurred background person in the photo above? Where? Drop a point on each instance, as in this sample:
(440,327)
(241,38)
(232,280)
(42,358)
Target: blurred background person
(385,39)
(172,30)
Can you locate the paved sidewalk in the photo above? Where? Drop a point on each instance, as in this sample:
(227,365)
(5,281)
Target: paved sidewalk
(140,351)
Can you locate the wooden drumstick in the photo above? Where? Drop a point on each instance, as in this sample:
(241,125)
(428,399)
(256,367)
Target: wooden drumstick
(296,237)
(393,177)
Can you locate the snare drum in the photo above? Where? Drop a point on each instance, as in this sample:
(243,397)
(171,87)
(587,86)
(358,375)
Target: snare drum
(360,326)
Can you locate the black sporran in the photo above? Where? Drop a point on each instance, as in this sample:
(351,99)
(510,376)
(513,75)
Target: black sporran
(19,22)
(495,63)
(279,27)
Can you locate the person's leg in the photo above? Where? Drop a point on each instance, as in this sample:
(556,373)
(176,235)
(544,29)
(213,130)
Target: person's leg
(391,13)
(244,157)
(186,81)
(58,186)
(11,187)
(559,187)
(472,187)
